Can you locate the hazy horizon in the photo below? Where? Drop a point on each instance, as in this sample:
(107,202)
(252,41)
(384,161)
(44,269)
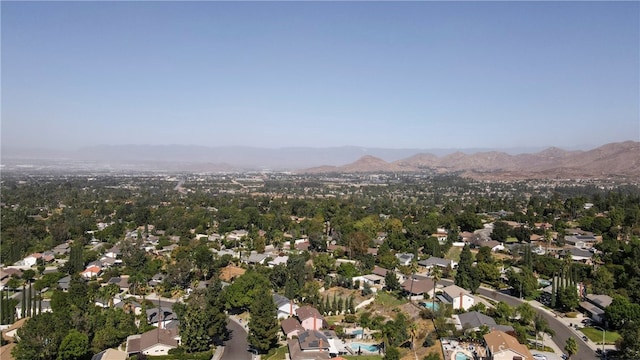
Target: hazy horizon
(392,75)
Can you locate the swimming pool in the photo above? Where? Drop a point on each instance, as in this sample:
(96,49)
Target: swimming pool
(357,332)
(430,305)
(365,347)
(462,356)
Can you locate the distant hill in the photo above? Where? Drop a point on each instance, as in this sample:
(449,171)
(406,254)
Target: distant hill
(616,159)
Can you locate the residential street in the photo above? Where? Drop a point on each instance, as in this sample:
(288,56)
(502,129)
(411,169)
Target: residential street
(236,348)
(562,331)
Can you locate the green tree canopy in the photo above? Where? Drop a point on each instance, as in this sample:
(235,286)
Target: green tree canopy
(74,346)
(263,325)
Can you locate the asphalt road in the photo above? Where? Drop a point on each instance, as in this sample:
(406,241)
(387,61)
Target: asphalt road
(562,332)
(237,347)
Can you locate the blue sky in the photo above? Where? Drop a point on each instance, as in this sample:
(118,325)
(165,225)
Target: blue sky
(277,74)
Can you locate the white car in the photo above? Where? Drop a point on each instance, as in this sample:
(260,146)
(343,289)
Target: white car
(539,357)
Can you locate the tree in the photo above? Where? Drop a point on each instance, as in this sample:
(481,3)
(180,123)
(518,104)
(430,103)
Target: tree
(40,338)
(628,341)
(391,281)
(436,274)
(263,326)
(391,353)
(241,293)
(571,347)
(467,276)
(74,346)
(540,326)
(621,311)
(568,298)
(500,231)
(603,281)
(202,320)
(526,312)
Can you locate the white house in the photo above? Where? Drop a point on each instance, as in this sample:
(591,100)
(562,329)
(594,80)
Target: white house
(433,261)
(404,259)
(458,297)
(286,307)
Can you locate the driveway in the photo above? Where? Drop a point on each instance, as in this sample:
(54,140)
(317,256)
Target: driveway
(562,331)
(237,347)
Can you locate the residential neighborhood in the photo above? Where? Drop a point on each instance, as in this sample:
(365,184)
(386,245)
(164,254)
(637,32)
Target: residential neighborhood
(492,291)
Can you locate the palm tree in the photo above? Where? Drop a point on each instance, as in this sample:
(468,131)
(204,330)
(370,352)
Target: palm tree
(539,323)
(413,327)
(571,347)
(110,291)
(436,273)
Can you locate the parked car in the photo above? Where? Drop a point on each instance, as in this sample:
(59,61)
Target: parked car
(585,338)
(539,357)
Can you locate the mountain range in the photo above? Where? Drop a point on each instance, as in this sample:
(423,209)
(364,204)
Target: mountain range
(615,159)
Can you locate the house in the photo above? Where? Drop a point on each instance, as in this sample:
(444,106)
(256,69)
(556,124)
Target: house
(441,234)
(458,297)
(377,270)
(310,318)
(595,306)
(404,259)
(31,259)
(230,272)
(110,354)
(114,252)
(91,272)
(310,345)
(278,260)
(43,307)
(121,281)
(236,235)
(492,244)
(255,258)
(580,255)
(417,287)
(580,241)
(154,342)
(475,320)
(371,279)
(291,327)
(160,316)
(286,307)
(434,261)
(315,345)
(157,279)
(63,283)
(502,346)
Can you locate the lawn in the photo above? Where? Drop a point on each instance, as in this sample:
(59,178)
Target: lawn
(277,354)
(388,300)
(454,253)
(595,335)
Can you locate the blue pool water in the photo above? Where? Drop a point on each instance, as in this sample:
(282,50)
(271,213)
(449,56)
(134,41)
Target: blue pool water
(462,356)
(357,332)
(368,347)
(430,305)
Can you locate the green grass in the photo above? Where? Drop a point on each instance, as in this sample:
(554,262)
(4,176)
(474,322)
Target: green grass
(454,253)
(385,299)
(276,354)
(595,335)
(511,240)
